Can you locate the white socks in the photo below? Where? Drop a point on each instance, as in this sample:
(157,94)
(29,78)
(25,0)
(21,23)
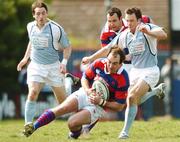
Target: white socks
(130,115)
(30,111)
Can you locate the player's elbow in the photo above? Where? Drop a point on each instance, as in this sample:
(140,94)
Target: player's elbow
(163,36)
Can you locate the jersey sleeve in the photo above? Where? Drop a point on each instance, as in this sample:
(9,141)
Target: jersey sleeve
(30,27)
(63,39)
(91,72)
(106,38)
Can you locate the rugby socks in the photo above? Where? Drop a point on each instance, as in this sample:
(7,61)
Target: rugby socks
(30,111)
(130,115)
(90,126)
(149,94)
(75,134)
(44,119)
(68,85)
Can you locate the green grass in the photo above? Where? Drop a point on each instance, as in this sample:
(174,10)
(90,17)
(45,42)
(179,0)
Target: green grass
(155,130)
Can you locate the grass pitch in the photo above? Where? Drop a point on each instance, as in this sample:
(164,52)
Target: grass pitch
(155,130)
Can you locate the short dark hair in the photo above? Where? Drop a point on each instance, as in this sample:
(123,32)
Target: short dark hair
(115,50)
(135,11)
(114,10)
(38,4)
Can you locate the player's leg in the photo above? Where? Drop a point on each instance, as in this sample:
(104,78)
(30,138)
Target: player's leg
(76,121)
(135,93)
(30,105)
(75,80)
(69,105)
(158,91)
(60,93)
(70,80)
(35,83)
(68,85)
(143,80)
(88,127)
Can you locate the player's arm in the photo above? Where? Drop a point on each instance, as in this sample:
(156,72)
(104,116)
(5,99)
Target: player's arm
(66,53)
(85,84)
(114,106)
(87,77)
(103,52)
(156,32)
(64,42)
(25,58)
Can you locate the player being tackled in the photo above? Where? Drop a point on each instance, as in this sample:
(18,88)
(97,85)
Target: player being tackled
(104,85)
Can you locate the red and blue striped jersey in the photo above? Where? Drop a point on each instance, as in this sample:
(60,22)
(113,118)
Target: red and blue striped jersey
(118,83)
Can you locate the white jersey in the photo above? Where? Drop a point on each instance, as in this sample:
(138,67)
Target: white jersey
(46,42)
(141,47)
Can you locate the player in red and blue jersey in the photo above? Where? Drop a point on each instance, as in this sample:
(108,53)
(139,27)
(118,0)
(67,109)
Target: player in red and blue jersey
(87,104)
(118,81)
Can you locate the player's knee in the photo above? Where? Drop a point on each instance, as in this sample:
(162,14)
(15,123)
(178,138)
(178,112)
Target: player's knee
(72,123)
(131,99)
(32,94)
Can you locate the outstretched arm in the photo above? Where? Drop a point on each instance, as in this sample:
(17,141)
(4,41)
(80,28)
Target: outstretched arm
(100,53)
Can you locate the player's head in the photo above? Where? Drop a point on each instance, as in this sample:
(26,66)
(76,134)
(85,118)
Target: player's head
(114,19)
(40,12)
(115,58)
(133,17)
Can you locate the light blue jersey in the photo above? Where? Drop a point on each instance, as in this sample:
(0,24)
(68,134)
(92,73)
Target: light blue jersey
(141,47)
(46,42)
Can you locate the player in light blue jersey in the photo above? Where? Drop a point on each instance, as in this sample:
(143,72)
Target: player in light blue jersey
(45,40)
(139,40)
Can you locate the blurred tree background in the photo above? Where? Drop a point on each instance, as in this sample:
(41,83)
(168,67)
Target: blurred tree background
(14,16)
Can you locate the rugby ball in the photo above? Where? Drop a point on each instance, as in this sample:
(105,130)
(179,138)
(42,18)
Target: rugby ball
(101,89)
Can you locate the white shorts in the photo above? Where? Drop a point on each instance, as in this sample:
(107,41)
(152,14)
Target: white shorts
(48,74)
(84,103)
(149,75)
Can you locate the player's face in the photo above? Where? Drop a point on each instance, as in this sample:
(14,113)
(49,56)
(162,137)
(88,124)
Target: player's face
(114,22)
(132,22)
(40,15)
(113,64)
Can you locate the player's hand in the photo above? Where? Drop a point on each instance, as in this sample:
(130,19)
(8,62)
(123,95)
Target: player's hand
(62,68)
(142,28)
(22,63)
(90,91)
(94,98)
(86,60)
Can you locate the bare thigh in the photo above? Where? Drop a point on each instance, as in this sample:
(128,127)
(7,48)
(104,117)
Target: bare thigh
(67,106)
(59,93)
(137,91)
